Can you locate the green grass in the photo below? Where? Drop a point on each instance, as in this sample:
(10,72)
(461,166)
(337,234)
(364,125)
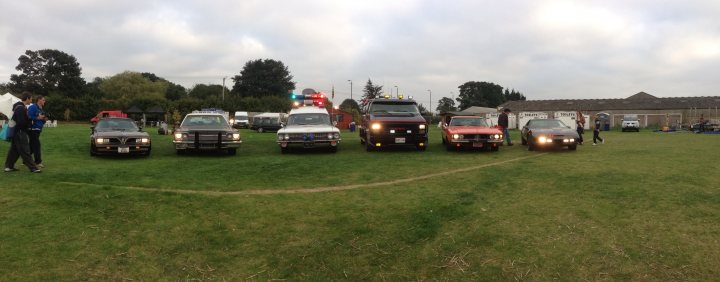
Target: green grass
(643,206)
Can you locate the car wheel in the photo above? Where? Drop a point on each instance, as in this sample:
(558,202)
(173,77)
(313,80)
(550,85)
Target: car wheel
(443,140)
(260,130)
(284,150)
(531,145)
(92,151)
(180,151)
(523,141)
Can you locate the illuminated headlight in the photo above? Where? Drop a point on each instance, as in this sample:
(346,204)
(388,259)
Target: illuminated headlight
(566,140)
(375,126)
(572,139)
(144,140)
(497,136)
(178,136)
(282,137)
(392,131)
(101,141)
(236,136)
(331,136)
(422,126)
(542,139)
(336,135)
(458,136)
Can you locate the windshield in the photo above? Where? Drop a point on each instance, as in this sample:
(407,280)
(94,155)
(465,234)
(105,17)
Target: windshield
(309,119)
(114,124)
(468,122)
(630,118)
(204,120)
(546,123)
(379,108)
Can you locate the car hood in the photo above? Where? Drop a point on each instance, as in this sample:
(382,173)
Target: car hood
(473,130)
(308,129)
(554,131)
(131,134)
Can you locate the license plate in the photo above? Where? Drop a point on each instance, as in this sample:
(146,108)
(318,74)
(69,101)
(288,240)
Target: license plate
(478,145)
(400,140)
(123,150)
(309,144)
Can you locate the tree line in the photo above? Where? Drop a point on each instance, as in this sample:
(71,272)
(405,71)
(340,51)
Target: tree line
(261,86)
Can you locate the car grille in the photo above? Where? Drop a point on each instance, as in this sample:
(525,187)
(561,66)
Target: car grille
(123,141)
(207,136)
(400,129)
(308,136)
(476,137)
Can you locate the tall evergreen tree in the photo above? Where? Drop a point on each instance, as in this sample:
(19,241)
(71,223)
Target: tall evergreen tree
(371,91)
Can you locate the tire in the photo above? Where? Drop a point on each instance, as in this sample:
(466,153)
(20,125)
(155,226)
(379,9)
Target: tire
(284,150)
(531,145)
(443,140)
(92,151)
(180,151)
(232,151)
(260,130)
(449,146)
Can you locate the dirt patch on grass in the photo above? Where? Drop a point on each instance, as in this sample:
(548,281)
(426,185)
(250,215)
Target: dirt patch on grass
(306,190)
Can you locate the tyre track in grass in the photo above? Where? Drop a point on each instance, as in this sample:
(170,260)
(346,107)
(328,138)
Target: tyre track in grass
(302,190)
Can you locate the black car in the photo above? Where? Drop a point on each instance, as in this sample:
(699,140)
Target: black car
(548,133)
(393,122)
(119,136)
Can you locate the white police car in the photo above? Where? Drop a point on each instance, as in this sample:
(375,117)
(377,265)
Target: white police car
(308,127)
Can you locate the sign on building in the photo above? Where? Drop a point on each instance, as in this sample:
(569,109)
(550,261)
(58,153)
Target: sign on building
(569,118)
(526,116)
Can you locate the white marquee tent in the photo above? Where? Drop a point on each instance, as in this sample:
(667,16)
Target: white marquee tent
(6,102)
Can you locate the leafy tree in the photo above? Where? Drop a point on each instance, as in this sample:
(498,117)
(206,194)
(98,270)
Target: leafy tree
(205,91)
(174,91)
(483,94)
(349,104)
(261,78)
(513,96)
(133,85)
(48,71)
(423,110)
(371,91)
(446,105)
(4,88)
(92,89)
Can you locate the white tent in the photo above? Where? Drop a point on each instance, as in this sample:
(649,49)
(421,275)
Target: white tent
(6,102)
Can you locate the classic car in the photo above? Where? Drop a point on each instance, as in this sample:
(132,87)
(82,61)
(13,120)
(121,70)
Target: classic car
(267,122)
(469,132)
(115,135)
(308,127)
(392,122)
(202,131)
(548,133)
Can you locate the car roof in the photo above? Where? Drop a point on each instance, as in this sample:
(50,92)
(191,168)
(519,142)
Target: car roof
(205,114)
(308,110)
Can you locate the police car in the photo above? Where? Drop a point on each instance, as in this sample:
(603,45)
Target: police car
(308,127)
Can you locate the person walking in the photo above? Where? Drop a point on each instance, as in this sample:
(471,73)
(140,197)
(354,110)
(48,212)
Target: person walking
(20,145)
(580,126)
(503,123)
(38,118)
(596,131)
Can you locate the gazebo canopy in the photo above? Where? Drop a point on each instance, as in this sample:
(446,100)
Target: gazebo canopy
(155,110)
(134,110)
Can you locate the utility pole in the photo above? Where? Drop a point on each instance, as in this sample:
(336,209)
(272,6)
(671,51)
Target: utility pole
(350,89)
(431,109)
(223,90)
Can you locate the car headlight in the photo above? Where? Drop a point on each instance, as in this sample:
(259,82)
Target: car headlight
(497,136)
(101,141)
(330,136)
(458,136)
(422,126)
(542,139)
(375,126)
(144,140)
(336,135)
(236,136)
(178,136)
(280,137)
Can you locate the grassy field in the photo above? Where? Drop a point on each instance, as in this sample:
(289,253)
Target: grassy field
(643,206)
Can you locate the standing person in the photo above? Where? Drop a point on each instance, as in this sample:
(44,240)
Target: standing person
(580,126)
(20,146)
(503,123)
(596,131)
(38,117)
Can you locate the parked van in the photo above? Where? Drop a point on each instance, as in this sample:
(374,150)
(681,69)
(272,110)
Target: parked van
(267,121)
(241,120)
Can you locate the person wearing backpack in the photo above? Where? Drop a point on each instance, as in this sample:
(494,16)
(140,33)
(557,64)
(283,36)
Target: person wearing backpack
(20,144)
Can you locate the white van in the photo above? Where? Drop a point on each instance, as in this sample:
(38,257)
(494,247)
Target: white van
(241,120)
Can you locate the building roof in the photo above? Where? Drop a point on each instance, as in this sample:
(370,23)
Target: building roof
(639,101)
(479,110)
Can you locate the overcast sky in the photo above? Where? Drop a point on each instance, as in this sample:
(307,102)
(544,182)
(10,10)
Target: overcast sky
(544,49)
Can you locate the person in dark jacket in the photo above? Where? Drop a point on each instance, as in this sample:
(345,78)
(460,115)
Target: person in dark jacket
(20,145)
(38,118)
(504,124)
(580,126)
